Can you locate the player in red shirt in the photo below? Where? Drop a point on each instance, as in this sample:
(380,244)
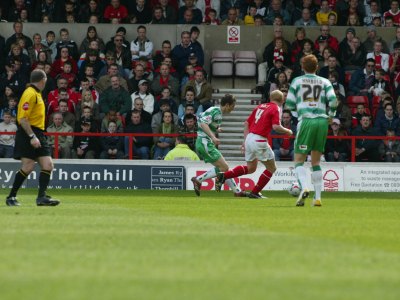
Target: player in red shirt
(257,128)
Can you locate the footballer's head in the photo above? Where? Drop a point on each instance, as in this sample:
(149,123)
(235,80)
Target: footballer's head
(277,97)
(310,63)
(228,103)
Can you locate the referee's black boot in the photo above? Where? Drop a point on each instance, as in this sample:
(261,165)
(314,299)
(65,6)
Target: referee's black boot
(12,201)
(47,201)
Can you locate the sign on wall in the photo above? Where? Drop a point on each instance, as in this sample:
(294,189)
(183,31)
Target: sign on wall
(233,34)
(102,176)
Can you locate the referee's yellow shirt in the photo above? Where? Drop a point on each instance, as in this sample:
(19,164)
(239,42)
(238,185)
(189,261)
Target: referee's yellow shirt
(31,106)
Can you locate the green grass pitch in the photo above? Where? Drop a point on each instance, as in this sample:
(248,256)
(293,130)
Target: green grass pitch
(174,245)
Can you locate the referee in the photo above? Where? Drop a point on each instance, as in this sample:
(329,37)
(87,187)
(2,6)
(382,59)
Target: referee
(31,143)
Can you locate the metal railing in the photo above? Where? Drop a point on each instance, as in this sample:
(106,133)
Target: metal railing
(56,135)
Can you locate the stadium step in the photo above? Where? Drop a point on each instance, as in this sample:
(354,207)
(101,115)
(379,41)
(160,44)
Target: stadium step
(229,147)
(239,118)
(231,142)
(228,136)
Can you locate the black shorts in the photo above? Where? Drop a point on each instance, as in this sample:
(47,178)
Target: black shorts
(23,147)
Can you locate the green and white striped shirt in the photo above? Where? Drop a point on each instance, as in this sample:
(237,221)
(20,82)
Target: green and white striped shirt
(213,118)
(311,96)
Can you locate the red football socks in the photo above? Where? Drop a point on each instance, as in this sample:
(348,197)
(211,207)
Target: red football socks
(262,181)
(236,172)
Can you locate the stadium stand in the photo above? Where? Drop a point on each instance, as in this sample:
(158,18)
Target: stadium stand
(227,64)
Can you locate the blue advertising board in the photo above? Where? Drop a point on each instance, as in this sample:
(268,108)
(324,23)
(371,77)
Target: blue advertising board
(102,176)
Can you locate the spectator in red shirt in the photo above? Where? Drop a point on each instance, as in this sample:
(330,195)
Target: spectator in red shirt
(71,77)
(115,11)
(54,105)
(325,35)
(394,12)
(62,83)
(58,65)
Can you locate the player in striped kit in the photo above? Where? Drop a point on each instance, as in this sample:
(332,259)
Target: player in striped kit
(207,142)
(310,95)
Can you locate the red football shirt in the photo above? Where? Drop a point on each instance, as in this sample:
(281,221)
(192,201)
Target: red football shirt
(263,117)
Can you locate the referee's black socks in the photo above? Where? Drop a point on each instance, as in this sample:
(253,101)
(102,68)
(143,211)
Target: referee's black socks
(44,179)
(18,181)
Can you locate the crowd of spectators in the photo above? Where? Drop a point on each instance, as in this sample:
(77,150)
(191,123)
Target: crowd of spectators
(128,86)
(212,12)
(113,87)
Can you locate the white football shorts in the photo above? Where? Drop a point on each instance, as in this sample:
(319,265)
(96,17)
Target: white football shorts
(257,147)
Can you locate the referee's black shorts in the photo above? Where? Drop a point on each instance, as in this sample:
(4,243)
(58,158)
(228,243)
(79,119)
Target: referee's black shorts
(23,147)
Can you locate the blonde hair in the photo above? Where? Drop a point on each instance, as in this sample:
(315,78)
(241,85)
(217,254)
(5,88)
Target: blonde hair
(276,96)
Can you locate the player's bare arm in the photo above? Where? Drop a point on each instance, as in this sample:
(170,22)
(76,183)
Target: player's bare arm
(28,129)
(208,131)
(281,129)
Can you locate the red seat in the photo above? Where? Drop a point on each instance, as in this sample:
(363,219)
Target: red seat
(353,101)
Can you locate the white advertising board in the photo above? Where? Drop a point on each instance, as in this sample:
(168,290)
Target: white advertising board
(332,178)
(372,178)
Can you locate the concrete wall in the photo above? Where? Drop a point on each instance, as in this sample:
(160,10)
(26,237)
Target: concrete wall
(212,37)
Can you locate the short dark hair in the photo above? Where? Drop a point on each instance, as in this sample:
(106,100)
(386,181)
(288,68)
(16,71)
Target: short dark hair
(63,100)
(17,22)
(189,117)
(64,30)
(370,60)
(194,29)
(388,104)
(381,71)
(391,130)
(258,17)
(191,89)
(182,139)
(228,99)
(137,112)
(334,74)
